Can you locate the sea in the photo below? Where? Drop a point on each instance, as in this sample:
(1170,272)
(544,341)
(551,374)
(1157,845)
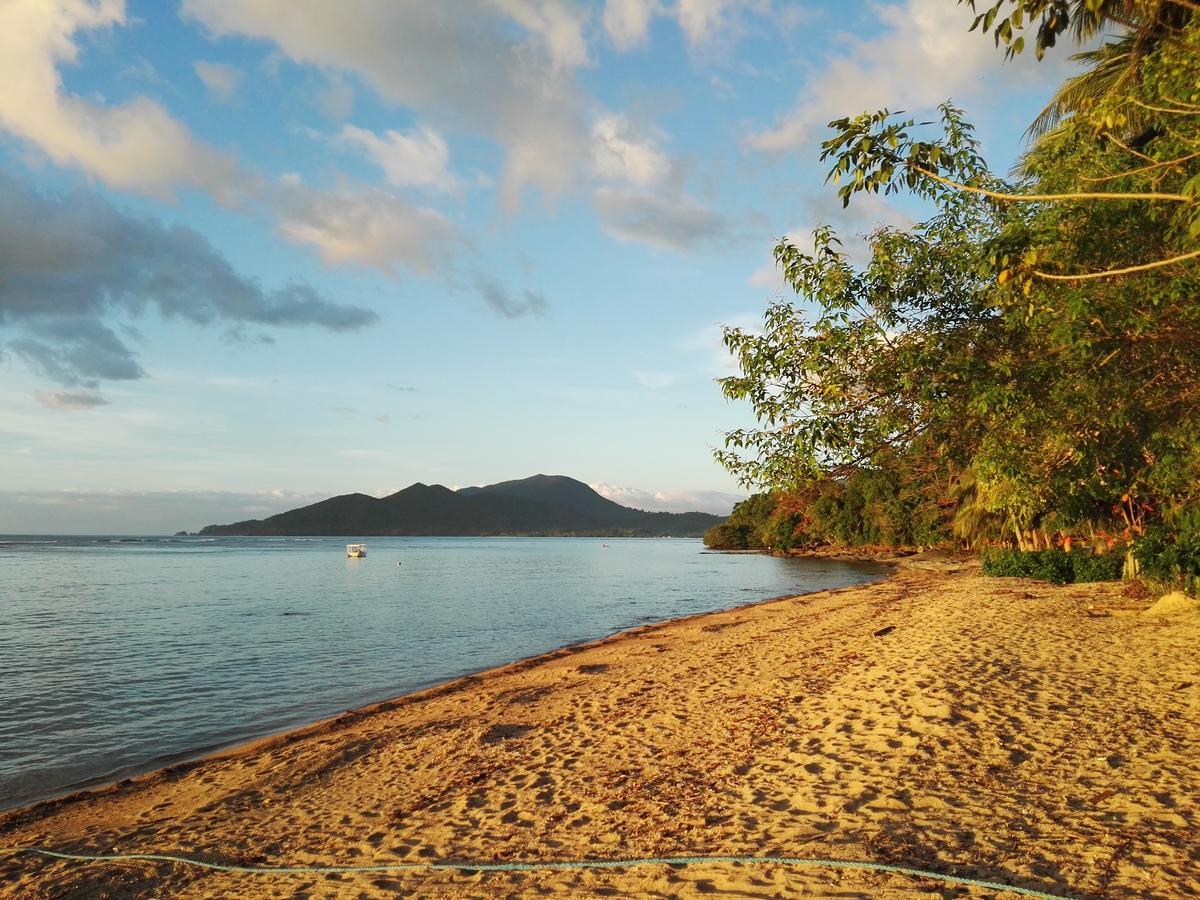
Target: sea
(119,655)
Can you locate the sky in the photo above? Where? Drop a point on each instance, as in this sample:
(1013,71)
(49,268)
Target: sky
(254,253)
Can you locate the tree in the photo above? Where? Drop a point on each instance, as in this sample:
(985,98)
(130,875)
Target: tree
(1148,21)
(1029,358)
(881,377)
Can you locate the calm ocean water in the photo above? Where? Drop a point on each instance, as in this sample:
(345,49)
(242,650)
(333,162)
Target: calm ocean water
(121,654)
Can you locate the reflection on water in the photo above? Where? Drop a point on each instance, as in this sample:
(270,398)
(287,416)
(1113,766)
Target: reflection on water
(117,653)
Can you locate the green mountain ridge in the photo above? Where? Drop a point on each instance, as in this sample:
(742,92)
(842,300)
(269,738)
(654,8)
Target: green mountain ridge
(538,505)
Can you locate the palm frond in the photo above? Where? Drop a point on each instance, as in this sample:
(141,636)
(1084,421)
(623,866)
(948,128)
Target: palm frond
(1111,68)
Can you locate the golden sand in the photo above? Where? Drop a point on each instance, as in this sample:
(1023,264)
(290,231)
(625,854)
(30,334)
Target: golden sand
(1001,730)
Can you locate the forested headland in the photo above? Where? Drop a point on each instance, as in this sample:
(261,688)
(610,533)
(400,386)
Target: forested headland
(1021,369)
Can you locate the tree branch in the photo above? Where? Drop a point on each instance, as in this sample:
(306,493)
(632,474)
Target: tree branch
(1172,162)
(1161,109)
(1128,149)
(1036,198)
(1189,106)
(1108,273)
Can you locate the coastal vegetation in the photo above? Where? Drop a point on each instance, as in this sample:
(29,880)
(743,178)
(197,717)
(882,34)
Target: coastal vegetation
(1022,367)
(1055,564)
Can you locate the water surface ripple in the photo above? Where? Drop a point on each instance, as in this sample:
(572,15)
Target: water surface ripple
(118,654)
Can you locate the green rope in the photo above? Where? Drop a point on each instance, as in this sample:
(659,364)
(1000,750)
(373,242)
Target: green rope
(467,866)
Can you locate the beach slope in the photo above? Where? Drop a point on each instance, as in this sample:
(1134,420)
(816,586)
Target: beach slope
(1000,730)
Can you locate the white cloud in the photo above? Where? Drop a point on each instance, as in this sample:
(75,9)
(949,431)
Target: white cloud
(708,343)
(627,21)
(365,226)
(701,20)
(620,155)
(924,55)
(136,146)
(521,92)
(221,80)
(667,221)
(459,64)
(705,23)
(717,502)
(558,24)
(416,158)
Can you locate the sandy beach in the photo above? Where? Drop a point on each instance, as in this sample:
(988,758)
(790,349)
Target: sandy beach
(1000,730)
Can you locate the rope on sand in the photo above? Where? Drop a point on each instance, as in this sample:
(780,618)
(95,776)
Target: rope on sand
(470,866)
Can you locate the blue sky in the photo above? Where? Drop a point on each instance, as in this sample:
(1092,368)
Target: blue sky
(257,252)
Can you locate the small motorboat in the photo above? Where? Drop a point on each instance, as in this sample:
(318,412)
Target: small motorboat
(356,551)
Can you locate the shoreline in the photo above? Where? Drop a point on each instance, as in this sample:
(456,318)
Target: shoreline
(126,775)
(767,728)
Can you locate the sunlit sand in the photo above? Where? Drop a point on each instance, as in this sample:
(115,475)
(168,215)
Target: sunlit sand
(1001,730)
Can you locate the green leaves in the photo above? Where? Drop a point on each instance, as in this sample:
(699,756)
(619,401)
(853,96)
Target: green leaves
(875,152)
(1071,403)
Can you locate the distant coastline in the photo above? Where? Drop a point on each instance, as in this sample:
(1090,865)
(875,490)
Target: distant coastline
(538,506)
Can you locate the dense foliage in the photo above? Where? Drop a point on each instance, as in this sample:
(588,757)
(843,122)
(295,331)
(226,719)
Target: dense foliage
(746,527)
(1023,367)
(1171,556)
(1059,566)
(870,508)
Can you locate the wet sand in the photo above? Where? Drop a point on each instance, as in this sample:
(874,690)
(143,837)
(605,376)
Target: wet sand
(1001,730)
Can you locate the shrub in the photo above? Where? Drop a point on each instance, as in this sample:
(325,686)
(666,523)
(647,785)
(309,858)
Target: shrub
(1170,557)
(1044,565)
(1057,566)
(1090,567)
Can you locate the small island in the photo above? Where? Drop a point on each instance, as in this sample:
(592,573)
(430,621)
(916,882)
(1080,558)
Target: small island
(541,505)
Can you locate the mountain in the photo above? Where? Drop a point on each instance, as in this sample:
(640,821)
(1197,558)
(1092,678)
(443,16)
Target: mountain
(540,505)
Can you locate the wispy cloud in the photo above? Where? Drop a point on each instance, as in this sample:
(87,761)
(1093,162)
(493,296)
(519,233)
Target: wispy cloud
(717,502)
(655,381)
(708,344)
(706,24)
(71,400)
(221,80)
(924,55)
(666,221)
(336,100)
(498,298)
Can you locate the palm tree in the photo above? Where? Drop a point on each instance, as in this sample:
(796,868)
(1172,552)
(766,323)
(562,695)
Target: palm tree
(1112,71)
(1112,68)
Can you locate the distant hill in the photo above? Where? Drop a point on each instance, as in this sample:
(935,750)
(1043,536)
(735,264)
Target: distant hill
(539,505)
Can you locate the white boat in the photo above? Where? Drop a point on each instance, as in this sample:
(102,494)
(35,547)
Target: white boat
(356,551)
